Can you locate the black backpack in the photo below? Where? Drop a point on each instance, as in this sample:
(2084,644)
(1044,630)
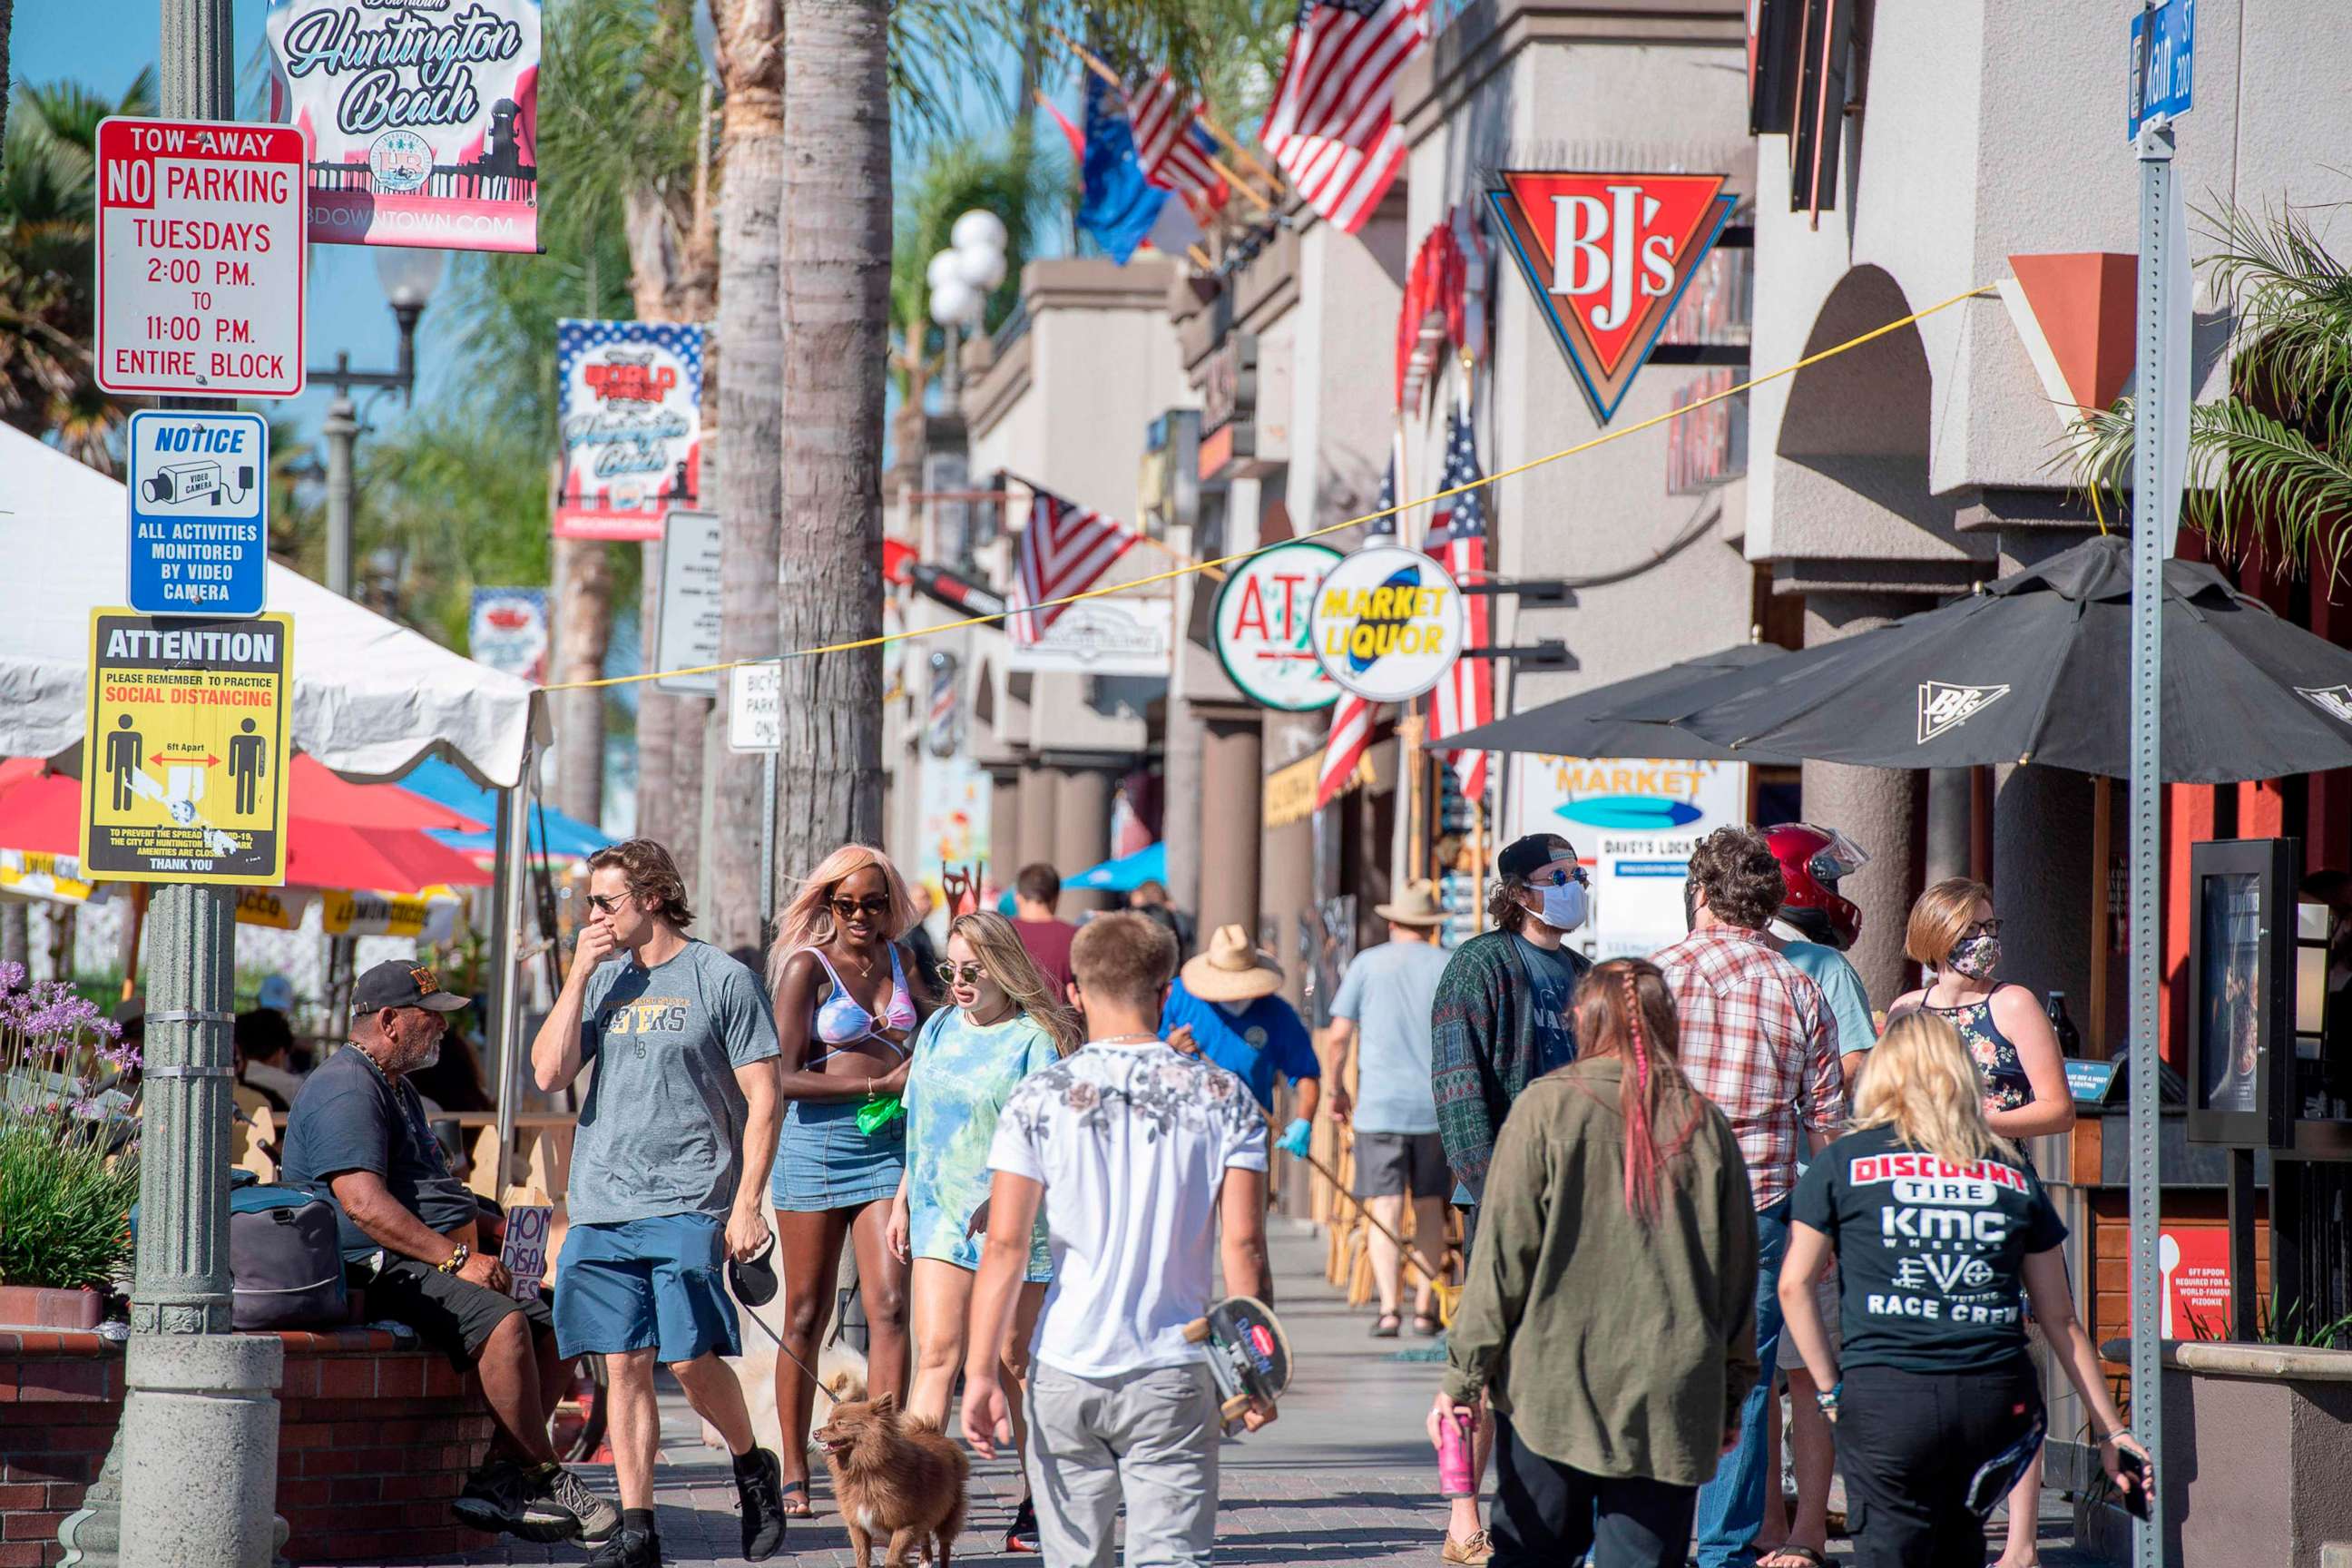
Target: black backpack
(285,1260)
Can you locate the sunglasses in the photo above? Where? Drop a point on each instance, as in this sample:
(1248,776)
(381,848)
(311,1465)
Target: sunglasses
(1982,928)
(972,973)
(604,903)
(1561,878)
(877,904)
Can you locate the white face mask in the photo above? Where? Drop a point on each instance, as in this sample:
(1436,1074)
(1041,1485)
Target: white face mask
(1564,908)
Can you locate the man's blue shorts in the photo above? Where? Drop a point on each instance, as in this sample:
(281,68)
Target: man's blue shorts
(647,1282)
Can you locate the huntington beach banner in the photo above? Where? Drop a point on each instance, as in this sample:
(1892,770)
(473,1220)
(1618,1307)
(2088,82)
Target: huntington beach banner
(421,117)
(630,418)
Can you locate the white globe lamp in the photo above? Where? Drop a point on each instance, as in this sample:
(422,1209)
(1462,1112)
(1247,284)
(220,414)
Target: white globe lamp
(978,229)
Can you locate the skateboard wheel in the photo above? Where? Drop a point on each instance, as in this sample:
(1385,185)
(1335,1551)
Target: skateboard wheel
(1233,1409)
(1197,1331)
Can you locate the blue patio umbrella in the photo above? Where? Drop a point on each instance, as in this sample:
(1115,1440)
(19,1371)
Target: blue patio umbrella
(444,784)
(1122,874)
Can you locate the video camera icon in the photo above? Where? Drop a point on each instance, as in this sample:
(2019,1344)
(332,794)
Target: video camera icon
(177,483)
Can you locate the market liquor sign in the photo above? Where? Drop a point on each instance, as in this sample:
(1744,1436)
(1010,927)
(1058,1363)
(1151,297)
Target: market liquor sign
(422,119)
(1607,257)
(1386,623)
(630,417)
(199,500)
(200,258)
(1262,625)
(184,762)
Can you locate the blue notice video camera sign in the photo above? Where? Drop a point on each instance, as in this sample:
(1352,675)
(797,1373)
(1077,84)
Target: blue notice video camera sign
(199,495)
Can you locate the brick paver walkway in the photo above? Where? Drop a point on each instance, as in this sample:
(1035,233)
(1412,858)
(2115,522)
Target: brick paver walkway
(1345,1476)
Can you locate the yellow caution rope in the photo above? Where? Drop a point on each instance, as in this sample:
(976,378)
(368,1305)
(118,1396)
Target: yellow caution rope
(1223,561)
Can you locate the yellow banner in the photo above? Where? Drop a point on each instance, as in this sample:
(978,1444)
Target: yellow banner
(58,878)
(184,762)
(1288,794)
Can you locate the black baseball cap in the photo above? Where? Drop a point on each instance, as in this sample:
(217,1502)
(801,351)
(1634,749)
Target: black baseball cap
(1523,858)
(393,984)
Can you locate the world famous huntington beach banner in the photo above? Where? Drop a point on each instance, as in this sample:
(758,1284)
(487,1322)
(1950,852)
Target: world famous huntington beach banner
(630,418)
(421,117)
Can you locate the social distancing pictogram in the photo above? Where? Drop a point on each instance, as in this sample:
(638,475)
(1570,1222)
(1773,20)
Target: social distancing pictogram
(184,762)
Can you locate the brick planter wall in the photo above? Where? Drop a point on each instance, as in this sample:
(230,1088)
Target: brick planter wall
(373,1441)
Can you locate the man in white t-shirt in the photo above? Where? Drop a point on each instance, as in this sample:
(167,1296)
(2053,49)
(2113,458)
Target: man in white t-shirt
(1136,1153)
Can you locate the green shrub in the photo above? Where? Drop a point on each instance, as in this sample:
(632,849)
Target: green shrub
(68,1159)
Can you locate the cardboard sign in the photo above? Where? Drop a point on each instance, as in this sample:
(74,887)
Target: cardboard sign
(630,418)
(199,498)
(422,119)
(525,1252)
(1261,627)
(183,760)
(200,258)
(1607,256)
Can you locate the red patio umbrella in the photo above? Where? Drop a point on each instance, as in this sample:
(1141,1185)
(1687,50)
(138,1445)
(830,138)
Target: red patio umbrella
(43,813)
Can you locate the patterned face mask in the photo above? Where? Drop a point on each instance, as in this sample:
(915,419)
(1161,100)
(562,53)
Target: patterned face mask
(1978,957)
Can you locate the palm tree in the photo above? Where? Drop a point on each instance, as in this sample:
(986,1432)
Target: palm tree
(2270,464)
(47,263)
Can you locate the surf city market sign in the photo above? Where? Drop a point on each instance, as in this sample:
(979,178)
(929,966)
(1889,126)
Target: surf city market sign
(1262,627)
(1388,623)
(1607,256)
(630,418)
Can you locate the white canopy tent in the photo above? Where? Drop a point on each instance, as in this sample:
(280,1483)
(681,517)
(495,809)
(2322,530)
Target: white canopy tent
(371,697)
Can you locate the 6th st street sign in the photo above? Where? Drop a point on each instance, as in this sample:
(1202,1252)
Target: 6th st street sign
(200,258)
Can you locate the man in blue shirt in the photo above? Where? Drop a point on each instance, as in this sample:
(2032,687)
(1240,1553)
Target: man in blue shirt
(1226,996)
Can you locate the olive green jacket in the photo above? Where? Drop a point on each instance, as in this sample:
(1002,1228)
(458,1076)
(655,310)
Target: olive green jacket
(1621,1348)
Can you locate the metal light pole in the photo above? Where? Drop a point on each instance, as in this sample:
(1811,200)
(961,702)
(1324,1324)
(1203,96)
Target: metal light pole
(408,276)
(198,1448)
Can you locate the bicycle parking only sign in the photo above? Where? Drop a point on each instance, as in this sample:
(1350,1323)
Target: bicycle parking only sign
(200,258)
(184,762)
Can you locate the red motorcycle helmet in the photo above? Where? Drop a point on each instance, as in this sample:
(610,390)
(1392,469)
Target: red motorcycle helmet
(1813,859)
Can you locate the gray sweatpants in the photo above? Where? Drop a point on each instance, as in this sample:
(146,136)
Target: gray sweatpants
(1151,1435)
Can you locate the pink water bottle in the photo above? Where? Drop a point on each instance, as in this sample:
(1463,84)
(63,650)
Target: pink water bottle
(1455,1476)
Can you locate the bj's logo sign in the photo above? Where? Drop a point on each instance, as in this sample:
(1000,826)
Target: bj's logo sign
(1607,256)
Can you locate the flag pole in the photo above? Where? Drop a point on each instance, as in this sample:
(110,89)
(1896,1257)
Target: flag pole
(1095,64)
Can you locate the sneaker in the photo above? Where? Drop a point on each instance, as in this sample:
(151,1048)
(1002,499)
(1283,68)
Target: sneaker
(629,1549)
(598,1516)
(501,1497)
(759,1489)
(1478,1549)
(1023,1536)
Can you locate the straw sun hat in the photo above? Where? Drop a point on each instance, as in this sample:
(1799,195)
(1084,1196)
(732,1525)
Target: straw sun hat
(1232,970)
(1416,907)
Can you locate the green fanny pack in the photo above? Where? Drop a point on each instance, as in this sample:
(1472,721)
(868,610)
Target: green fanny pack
(878,1112)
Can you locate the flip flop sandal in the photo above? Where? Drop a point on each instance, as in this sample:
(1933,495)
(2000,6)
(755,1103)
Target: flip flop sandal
(806,1510)
(1387,1325)
(1792,1557)
(1426,1325)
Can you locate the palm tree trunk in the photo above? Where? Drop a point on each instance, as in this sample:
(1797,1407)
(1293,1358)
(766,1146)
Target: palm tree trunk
(751,415)
(657,714)
(584,628)
(836,312)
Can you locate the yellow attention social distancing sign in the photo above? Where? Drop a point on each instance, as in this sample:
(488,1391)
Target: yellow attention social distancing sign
(184,762)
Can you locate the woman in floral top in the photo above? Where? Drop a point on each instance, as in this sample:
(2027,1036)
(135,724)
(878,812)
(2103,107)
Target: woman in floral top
(1954,933)
(1004,1025)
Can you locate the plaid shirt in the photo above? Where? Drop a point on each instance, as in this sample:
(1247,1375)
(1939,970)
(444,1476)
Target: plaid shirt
(1758,1039)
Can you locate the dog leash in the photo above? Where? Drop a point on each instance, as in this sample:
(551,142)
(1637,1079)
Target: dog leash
(783,1348)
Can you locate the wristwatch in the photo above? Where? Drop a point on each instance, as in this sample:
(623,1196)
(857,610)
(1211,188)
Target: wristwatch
(456,1260)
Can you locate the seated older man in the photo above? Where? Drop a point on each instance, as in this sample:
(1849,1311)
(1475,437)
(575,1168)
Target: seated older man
(358,1137)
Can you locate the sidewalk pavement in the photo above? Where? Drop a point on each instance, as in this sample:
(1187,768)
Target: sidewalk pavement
(1344,1476)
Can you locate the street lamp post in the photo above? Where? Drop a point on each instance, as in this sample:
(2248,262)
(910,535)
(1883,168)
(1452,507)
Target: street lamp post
(408,277)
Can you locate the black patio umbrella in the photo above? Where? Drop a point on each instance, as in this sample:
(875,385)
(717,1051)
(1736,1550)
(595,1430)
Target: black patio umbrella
(2035,667)
(1584,725)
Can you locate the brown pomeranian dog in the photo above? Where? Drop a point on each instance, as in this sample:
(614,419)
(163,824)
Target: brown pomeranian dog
(895,1477)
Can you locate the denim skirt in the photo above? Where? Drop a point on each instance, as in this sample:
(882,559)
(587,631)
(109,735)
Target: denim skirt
(824,1161)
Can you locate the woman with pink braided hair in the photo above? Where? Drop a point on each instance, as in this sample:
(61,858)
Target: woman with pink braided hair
(1608,1311)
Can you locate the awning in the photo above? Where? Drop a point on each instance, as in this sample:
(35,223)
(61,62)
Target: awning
(371,698)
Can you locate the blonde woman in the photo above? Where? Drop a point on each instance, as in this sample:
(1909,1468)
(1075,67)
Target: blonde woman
(1941,1232)
(1005,1024)
(844,1019)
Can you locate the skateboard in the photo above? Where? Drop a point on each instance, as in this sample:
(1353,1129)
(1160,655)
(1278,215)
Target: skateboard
(1249,1355)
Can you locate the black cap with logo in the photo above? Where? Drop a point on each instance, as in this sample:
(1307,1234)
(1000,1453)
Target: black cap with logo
(393,984)
(1523,858)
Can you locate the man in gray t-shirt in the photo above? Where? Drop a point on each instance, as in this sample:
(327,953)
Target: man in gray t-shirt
(676,1137)
(1384,1002)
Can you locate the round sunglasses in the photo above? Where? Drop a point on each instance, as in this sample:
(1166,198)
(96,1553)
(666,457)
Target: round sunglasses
(971,973)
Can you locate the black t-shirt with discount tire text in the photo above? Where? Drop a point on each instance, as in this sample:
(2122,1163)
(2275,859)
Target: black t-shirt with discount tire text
(1930,1255)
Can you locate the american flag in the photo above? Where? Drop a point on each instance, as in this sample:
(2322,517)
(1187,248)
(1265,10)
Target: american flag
(1169,142)
(1351,716)
(1065,549)
(1457,536)
(1331,128)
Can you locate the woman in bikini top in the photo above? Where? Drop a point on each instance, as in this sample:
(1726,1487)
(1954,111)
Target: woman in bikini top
(846,1019)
